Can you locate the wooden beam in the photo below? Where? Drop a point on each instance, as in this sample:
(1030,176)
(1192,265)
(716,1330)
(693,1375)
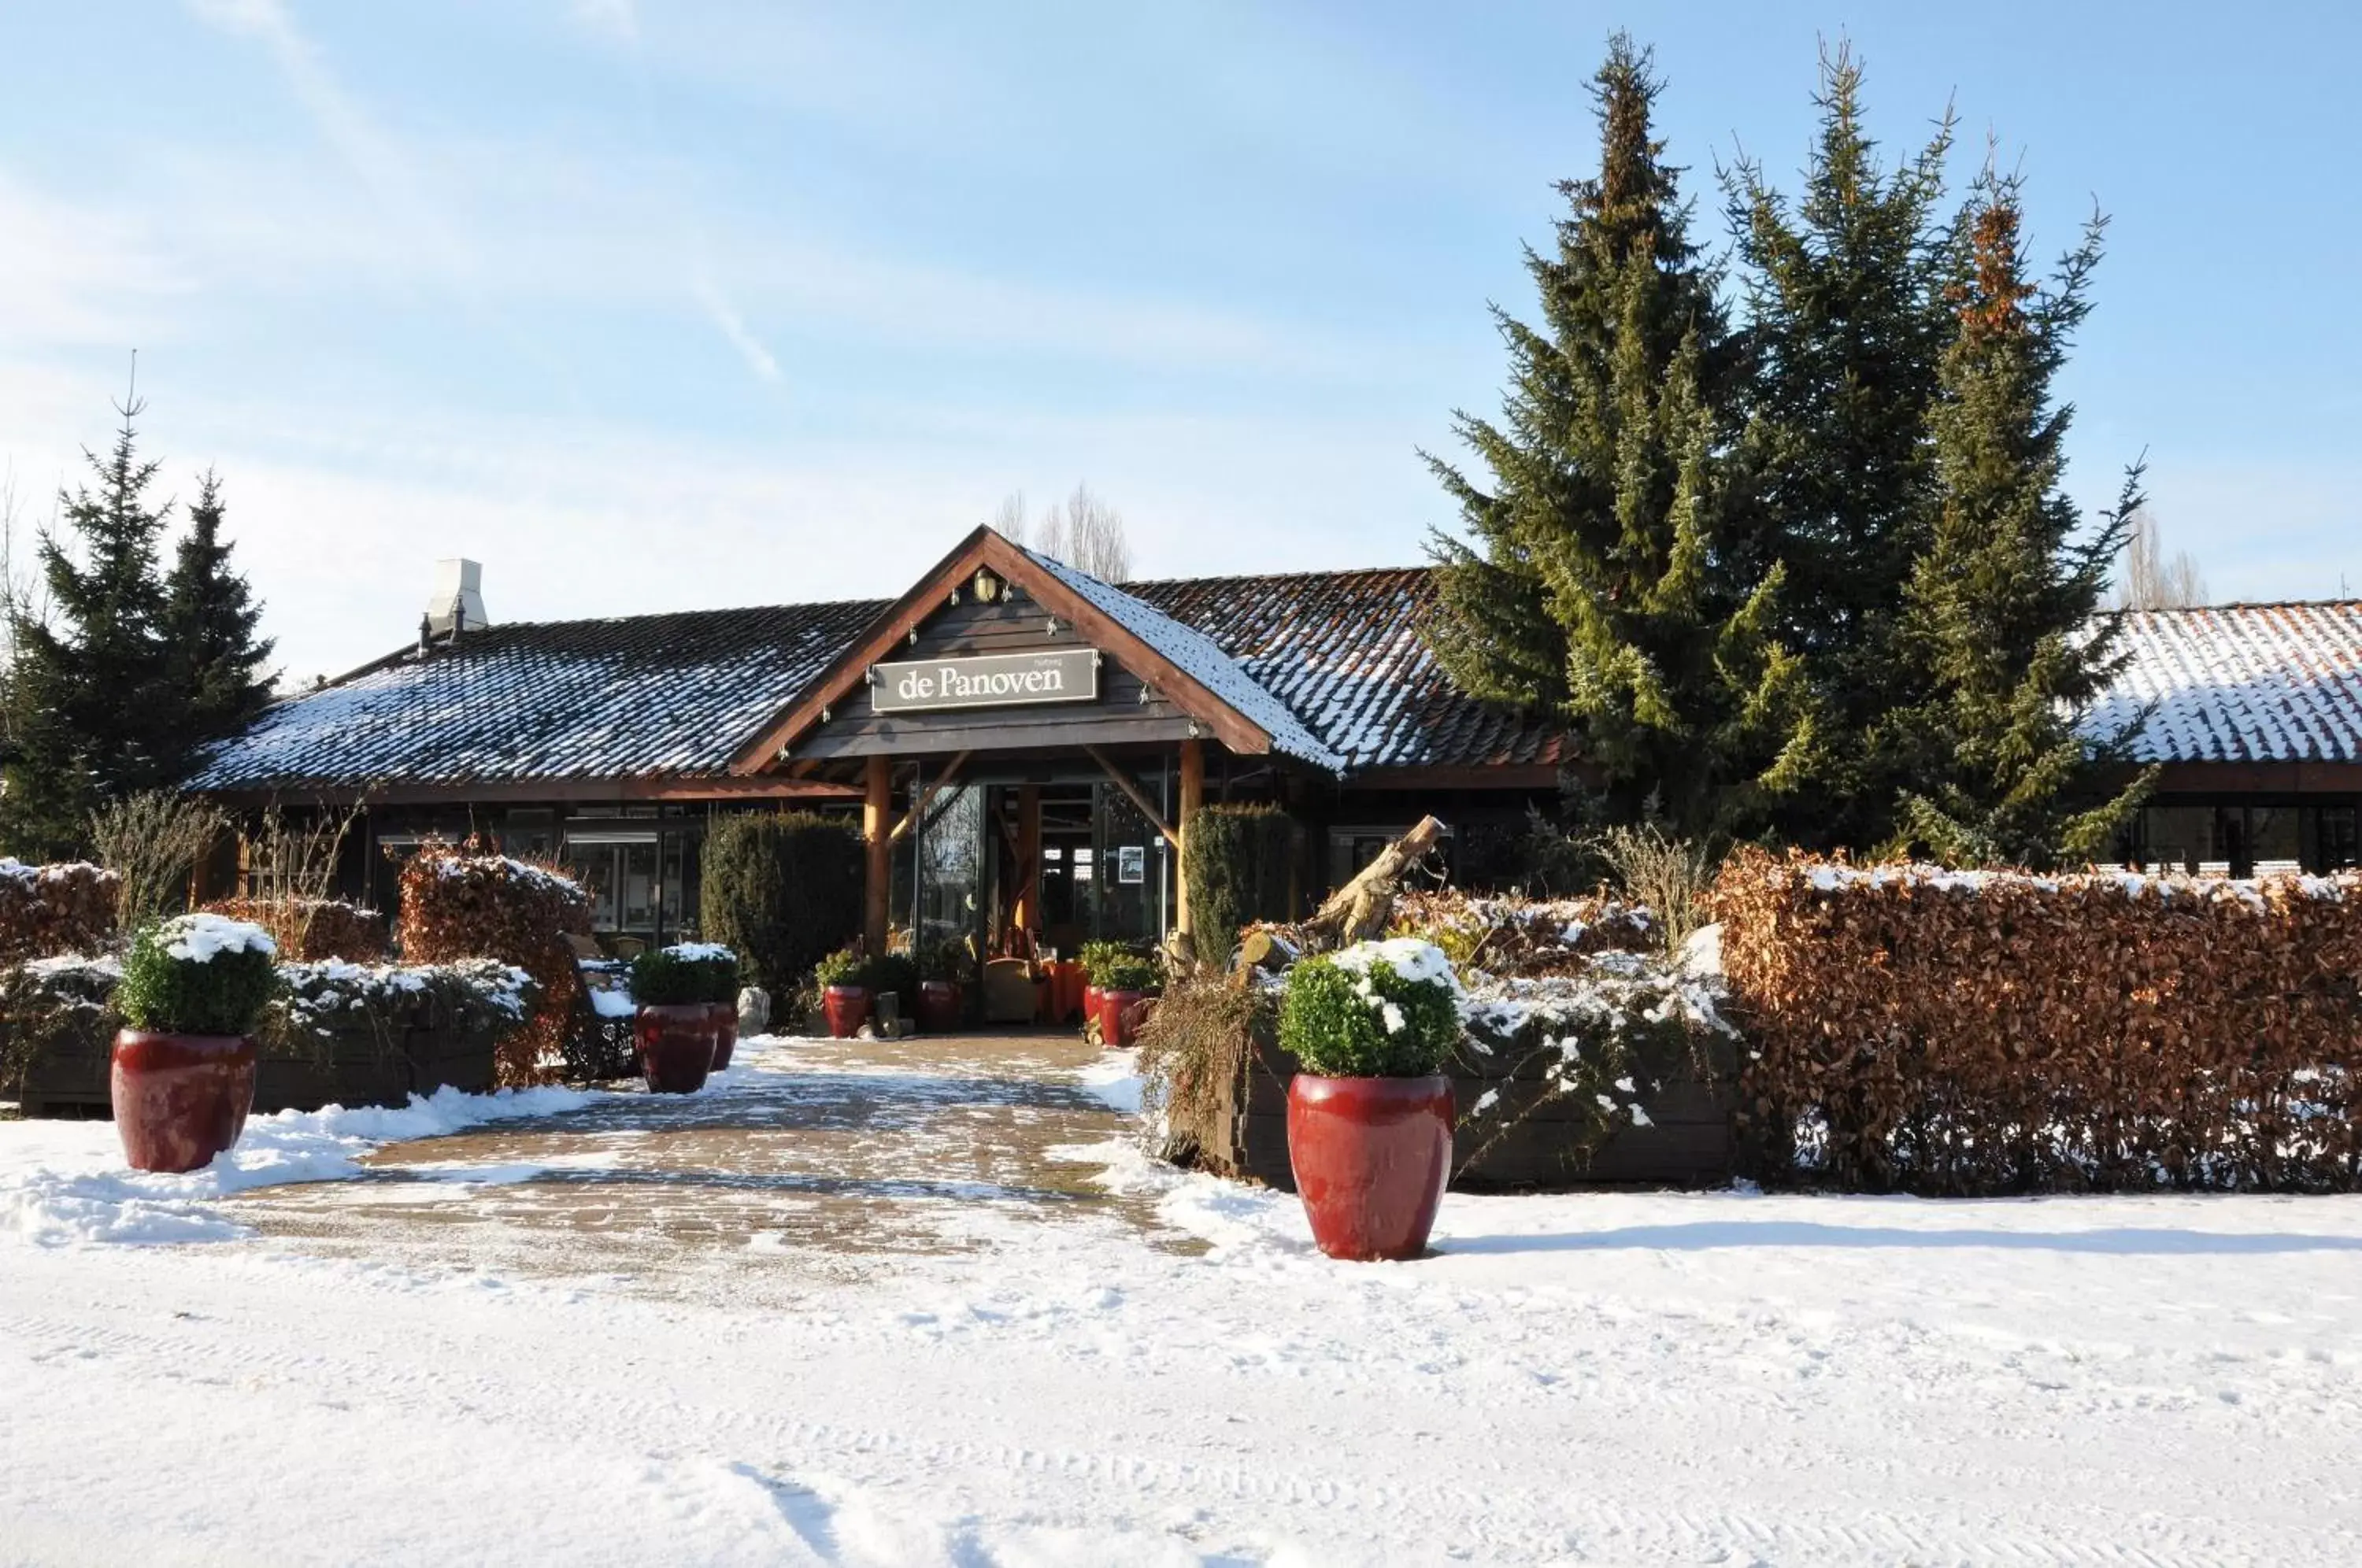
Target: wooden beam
(1193,794)
(944,780)
(1131,792)
(877,803)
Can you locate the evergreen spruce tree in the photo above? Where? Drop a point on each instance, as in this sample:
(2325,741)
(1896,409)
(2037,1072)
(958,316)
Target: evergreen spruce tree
(96,715)
(1604,576)
(2004,612)
(1847,325)
(213,658)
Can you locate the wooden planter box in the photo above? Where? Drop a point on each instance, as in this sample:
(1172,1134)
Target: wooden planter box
(352,1067)
(1690,1143)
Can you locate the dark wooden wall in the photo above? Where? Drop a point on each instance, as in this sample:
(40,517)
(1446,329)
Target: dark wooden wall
(1126,710)
(1690,1145)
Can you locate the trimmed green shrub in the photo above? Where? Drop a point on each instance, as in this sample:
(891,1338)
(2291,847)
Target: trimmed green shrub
(661,978)
(842,968)
(1236,867)
(896,972)
(1131,974)
(783,889)
(1378,1009)
(1099,959)
(197,974)
(716,968)
(945,960)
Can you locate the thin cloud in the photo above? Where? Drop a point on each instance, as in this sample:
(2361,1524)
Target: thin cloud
(733,327)
(616,19)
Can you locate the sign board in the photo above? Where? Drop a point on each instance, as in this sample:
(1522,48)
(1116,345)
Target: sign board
(994,680)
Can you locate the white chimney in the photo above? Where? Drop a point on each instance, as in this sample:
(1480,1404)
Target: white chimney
(459,597)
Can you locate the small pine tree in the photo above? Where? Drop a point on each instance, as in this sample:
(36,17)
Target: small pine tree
(2003,615)
(96,718)
(215,661)
(1604,576)
(1847,327)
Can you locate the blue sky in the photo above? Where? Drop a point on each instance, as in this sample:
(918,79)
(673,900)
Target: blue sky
(661,305)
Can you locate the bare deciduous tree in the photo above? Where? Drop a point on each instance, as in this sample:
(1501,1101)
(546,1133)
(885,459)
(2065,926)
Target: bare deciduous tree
(2151,582)
(1086,532)
(1092,537)
(1008,522)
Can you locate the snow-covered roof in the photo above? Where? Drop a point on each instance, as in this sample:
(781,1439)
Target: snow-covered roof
(1331,664)
(2241,683)
(627,698)
(1200,658)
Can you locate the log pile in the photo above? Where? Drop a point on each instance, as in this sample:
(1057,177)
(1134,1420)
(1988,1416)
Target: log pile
(49,909)
(1951,1033)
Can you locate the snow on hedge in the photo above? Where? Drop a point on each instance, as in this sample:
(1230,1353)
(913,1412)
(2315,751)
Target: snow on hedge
(703,953)
(317,989)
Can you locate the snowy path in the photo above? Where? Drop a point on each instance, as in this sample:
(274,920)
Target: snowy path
(1062,1380)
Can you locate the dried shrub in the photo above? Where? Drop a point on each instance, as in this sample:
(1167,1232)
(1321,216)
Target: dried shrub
(1671,876)
(46,910)
(1194,1050)
(309,930)
(153,841)
(457,905)
(1968,1032)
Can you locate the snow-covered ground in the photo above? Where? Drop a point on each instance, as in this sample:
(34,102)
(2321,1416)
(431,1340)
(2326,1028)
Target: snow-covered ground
(1170,1374)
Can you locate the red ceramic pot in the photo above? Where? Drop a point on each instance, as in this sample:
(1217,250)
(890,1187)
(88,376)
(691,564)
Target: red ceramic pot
(1066,990)
(939,1006)
(676,1047)
(847,1009)
(1090,1001)
(1371,1156)
(1119,1015)
(179,1100)
(725,1032)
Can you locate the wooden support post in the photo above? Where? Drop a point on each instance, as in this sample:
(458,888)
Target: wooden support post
(1026,911)
(877,810)
(1193,794)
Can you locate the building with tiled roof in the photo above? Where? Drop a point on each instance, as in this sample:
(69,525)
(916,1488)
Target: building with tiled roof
(1046,734)
(610,742)
(2252,715)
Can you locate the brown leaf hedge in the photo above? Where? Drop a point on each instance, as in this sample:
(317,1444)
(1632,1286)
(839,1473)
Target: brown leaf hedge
(1991,1033)
(459,905)
(46,910)
(309,930)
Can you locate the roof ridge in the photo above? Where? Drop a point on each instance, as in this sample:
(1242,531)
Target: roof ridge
(2349,603)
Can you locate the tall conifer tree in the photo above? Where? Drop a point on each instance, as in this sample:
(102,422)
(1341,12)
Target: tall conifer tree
(2004,614)
(1603,577)
(96,714)
(215,661)
(1847,324)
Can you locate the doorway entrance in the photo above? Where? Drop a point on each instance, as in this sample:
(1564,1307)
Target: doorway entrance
(1036,869)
